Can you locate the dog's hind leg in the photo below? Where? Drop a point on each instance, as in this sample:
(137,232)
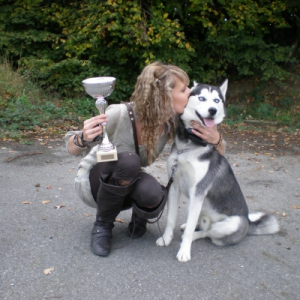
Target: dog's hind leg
(202,224)
(173,202)
(227,232)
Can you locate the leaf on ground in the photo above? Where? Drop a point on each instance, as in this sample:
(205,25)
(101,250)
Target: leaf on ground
(86,215)
(46,201)
(59,206)
(27,202)
(37,185)
(48,187)
(119,220)
(296,207)
(48,271)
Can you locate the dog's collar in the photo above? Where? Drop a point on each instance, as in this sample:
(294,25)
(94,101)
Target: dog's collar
(194,138)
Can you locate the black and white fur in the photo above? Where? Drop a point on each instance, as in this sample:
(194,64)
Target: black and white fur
(217,207)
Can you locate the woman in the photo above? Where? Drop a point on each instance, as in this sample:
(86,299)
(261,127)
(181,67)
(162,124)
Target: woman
(160,95)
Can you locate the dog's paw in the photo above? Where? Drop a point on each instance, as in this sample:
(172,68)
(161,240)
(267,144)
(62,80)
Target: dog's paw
(182,227)
(183,255)
(163,241)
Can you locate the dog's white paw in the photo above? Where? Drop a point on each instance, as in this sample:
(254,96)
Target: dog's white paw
(182,227)
(183,255)
(163,241)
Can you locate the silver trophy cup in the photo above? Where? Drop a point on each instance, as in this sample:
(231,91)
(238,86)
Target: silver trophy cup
(100,87)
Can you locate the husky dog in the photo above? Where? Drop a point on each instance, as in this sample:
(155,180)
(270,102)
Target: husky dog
(217,207)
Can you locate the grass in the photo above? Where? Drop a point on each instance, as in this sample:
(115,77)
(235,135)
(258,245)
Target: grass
(25,109)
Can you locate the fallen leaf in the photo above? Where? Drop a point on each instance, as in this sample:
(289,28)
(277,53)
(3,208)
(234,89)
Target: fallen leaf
(46,201)
(37,185)
(59,206)
(48,187)
(284,214)
(27,202)
(296,207)
(48,271)
(70,171)
(119,220)
(60,189)
(271,171)
(86,215)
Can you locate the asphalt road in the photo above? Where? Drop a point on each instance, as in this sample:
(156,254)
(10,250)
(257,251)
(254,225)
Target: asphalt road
(45,228)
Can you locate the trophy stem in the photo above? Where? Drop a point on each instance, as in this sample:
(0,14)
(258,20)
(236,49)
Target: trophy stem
(100,87)
(106,145)
(106,151)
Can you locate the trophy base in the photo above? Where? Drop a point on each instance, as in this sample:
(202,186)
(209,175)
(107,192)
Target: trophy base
(111,155)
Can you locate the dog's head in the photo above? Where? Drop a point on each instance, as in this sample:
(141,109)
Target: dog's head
(206,104)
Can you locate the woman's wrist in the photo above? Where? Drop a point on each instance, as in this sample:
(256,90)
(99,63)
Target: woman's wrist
(78,142)
(219,142)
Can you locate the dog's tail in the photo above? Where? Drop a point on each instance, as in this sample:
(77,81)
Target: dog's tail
(261,223)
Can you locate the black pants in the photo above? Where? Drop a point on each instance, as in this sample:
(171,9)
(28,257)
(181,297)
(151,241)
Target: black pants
(147,192)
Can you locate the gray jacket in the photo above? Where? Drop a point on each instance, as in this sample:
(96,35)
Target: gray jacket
(120,133)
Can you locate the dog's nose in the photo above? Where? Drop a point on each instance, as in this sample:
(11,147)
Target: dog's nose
(212,111)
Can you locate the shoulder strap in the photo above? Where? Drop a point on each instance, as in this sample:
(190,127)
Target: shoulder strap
(132,119)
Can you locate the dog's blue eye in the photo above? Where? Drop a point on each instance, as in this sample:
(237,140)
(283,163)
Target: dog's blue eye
(217,100)
(201,98)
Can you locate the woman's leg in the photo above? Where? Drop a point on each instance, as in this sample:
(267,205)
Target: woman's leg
(147,194)
(111,182)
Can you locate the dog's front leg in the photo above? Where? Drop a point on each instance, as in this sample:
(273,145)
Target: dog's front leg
(184,253)
(173,202)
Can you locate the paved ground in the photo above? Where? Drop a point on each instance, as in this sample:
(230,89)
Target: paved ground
(45,226)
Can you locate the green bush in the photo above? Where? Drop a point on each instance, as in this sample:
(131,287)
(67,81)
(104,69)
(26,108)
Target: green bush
(60,43)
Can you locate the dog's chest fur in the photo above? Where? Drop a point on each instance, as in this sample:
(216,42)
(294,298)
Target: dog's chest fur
(191,165)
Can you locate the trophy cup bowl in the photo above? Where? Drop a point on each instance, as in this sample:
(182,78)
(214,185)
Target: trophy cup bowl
(100,87)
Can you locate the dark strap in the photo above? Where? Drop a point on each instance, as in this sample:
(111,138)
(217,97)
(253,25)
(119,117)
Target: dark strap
(132,119)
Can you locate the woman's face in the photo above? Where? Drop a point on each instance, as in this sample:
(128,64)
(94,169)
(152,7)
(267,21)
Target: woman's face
(180,95)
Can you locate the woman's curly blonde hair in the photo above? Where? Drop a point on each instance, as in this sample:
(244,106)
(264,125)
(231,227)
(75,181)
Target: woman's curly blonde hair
(152,102)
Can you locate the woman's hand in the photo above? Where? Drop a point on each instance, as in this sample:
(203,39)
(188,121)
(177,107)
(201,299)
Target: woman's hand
(91,128)
(208,134)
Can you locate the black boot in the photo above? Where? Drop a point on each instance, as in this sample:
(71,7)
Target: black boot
(140,215)
(110,199)
(137,227)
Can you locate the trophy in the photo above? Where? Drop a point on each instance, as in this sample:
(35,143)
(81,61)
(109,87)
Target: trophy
(100,87)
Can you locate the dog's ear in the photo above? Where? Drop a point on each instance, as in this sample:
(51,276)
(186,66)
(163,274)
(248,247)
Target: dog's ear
(195,83)
(223,88)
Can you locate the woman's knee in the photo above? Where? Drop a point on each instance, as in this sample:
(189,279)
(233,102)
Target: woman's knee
(148,192)
(128,167)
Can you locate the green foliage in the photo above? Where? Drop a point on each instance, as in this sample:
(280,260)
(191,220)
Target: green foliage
(287,114)
(60,43)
